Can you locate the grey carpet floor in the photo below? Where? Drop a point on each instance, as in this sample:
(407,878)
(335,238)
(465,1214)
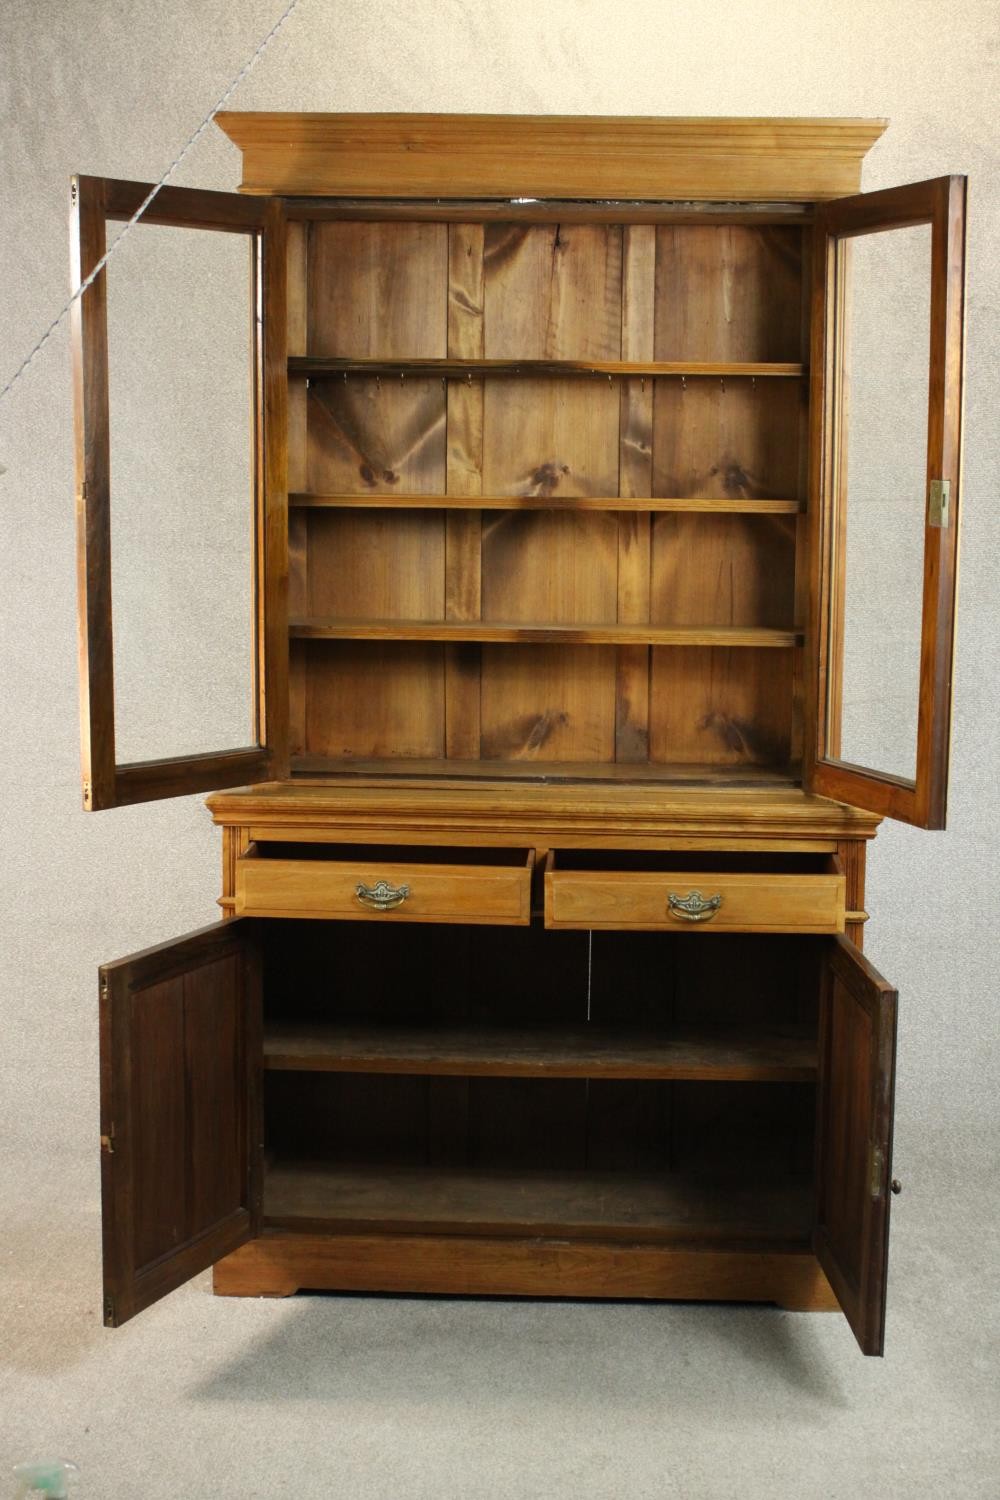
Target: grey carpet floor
(393,1397)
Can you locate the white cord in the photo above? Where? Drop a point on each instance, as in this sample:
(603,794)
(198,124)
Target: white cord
(148,199)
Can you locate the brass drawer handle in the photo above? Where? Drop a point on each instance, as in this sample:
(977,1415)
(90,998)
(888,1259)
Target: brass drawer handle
(382,896)
(694,907)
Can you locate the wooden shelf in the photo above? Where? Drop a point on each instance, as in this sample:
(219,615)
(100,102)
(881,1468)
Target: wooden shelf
(624,772)
(472,631)
(325,366)
(328,1197)
(786,1056)
(376,500)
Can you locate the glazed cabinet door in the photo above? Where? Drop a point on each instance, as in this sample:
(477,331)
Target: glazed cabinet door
(181,1060)
(886,376)
(180,390)
(857,1054)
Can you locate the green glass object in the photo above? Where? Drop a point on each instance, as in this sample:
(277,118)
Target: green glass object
(52,1477)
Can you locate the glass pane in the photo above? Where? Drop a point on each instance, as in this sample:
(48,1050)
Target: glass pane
(181,492)
(887,310)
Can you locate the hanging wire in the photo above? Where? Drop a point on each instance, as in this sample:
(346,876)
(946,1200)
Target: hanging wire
(250,63)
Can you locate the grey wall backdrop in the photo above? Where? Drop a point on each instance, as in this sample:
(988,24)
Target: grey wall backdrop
(377,1397)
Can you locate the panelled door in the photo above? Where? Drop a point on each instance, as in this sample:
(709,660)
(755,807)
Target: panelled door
(180,456)
(857,1055)
(181,1061)
(886,383)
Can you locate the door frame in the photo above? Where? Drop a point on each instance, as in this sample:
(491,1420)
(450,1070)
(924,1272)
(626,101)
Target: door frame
(129,1109)
(939,202)
(856,1043)
(107,783)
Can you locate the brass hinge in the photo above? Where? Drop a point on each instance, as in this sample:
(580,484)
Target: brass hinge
(938,513)
(105,988)
(109,1312)
(108,1142)
(877,1172)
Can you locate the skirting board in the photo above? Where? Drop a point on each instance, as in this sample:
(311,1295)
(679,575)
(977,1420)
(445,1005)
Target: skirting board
(279,1263)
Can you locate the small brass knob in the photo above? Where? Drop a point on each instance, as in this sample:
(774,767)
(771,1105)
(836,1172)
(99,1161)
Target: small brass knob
(896,1185)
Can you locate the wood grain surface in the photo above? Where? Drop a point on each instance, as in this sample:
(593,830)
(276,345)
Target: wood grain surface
(785,1055)
(280,1263)
(559,156)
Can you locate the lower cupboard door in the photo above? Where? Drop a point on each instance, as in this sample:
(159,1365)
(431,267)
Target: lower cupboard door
(857,1056)
(181,1059)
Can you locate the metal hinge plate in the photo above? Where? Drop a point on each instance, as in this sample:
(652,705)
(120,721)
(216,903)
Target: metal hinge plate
(877,1172)
(939,503)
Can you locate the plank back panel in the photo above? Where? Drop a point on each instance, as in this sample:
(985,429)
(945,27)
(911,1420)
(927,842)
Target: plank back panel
(548,703)
(376,290)
(717,706)
(558,291)
(376,700)
(728,292)
(723,570)
(635,479)
(553,291)
(370,564)
(550,292)
(377,436)
(729,438)
(463,529)
(543,565)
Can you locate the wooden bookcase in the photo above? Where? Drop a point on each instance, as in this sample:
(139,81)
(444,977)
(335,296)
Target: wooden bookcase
(543,882)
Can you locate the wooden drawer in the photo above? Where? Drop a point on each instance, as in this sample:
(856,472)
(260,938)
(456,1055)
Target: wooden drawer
(667,892)
(385,884)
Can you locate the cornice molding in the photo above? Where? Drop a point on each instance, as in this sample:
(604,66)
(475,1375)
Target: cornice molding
(550,156)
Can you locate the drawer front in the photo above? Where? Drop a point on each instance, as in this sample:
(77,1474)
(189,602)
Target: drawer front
(702,902)
(384,892)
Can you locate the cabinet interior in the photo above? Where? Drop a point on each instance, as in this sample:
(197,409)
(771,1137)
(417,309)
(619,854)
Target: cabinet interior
(584,560)
(484,1080)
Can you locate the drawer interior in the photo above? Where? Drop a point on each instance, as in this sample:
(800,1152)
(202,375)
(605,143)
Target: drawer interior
(640,861)
(392,854)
